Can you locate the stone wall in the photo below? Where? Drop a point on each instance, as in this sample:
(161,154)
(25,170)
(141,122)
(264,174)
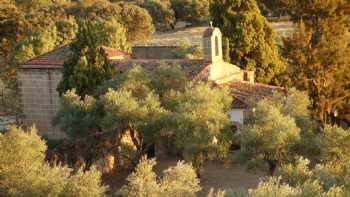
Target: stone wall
(39,97)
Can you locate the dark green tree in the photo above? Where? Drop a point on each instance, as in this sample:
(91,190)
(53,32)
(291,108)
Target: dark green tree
(162,14)
(251,37)
(137,21)
(273,8)
(88,65)
(193,11)
(319,57)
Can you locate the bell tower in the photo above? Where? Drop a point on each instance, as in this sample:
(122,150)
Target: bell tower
(212,45)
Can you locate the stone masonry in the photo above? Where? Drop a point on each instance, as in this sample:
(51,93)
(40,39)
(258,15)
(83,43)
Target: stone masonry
(41,99)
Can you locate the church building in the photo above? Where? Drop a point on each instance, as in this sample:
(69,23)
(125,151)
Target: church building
(40,76)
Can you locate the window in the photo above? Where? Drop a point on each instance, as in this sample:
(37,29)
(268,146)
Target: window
(216,46)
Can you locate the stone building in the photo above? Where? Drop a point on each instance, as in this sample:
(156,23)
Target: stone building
(40,76)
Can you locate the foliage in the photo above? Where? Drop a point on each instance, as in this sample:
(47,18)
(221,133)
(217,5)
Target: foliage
(88,66)
(273,7)
(193,11)
(10,101)
(113,34)
(200,118)
(168,78)
(251,38)
(84,184)
(334,144)
(151,109)
(328,179)
(296,174)
(24,172)
(180,180)
(314,12)
(138,22)
(142,182)
(162,14)
(318,63)
(24,34)
(273,187)
(80,121)
(37,36)
(186,51)
(270,136)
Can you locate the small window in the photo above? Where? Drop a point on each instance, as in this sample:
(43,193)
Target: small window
(216,46)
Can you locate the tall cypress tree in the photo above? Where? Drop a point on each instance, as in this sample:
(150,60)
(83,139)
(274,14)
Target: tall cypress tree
(88,65)
(251,38)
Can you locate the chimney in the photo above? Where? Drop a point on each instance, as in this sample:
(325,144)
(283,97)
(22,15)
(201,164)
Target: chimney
(248,76)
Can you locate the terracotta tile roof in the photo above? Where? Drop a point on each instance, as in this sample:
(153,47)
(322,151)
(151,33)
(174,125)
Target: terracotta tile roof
(111,52)
(195,69)
(244,92)
(57,56)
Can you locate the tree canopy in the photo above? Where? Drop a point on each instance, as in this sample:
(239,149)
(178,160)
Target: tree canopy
(318,57)
(24,172)
(150,109)
(88,65)
(251,41)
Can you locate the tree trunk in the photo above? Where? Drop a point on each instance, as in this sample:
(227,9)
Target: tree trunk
(272,167)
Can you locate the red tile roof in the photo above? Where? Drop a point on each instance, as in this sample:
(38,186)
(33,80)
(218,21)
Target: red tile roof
(244,92)
(114,52)
(57,56)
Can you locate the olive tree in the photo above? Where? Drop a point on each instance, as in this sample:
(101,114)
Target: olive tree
(200,118)
(270,137)
(150,110)
(24,172)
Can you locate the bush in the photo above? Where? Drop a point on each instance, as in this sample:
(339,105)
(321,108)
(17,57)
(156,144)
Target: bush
(24,172)
(273,187)
(296,174)
(334,143)
(178,181)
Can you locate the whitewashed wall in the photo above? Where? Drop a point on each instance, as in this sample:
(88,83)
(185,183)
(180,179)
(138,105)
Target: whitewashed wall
(237,115)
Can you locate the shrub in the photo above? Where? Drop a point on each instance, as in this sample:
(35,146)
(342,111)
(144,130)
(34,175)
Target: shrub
(24,172)
(178,181)
(273,187)
(296,174)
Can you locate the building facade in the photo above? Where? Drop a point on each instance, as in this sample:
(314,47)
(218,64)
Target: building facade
(40,76)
